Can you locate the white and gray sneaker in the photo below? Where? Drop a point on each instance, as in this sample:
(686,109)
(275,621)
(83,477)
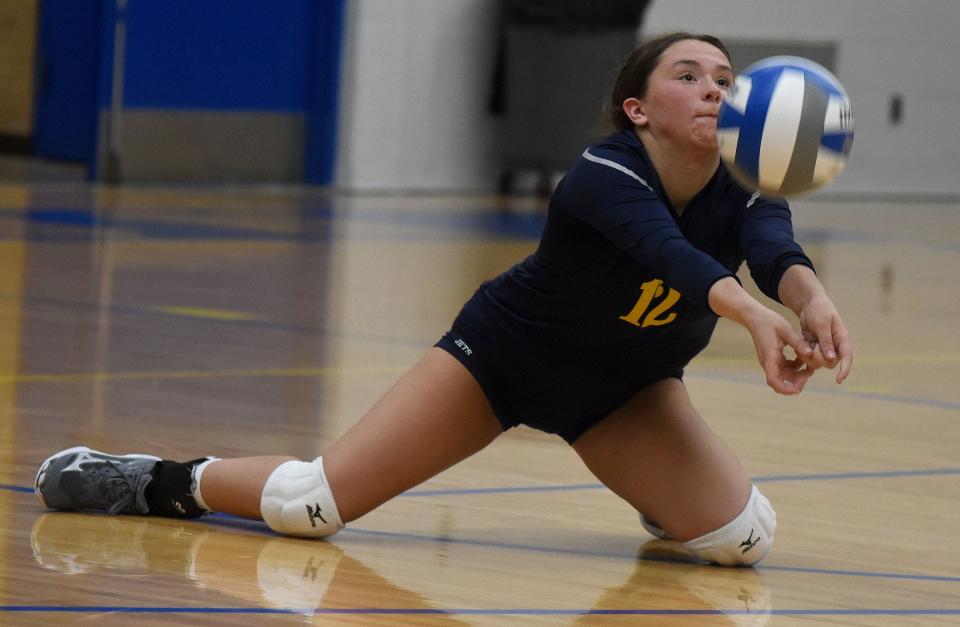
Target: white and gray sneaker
(80,478)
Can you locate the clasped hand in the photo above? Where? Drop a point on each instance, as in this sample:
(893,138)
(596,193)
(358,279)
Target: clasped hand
(823,342)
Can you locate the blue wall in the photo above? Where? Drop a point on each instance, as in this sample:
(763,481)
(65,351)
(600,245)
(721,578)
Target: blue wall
(270,56)
(68,59)
(241,55)
(324,92)
(218,54)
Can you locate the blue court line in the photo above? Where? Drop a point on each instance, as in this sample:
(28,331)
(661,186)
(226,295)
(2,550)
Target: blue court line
(768,479)
(16,488)
(255,526)
(424,343)
(633,557)
(932,472)
(483,612)
(572,487)
(235,522)
(153,610)
(80,224)
(421,342)
(524,225)
(892,398)
(692,372)
(506,490)
(259,324)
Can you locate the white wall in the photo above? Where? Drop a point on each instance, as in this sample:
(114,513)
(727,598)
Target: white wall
(884,47)
(417,76)
(416,84)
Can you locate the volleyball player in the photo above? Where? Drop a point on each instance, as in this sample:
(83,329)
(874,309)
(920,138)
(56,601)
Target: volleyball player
(587,338)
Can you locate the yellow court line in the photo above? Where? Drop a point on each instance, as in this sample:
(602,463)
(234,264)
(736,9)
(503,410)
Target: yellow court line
(215,314)
(12,273)
(195,374)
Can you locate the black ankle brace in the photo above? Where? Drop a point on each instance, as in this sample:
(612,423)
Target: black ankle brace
(169,493)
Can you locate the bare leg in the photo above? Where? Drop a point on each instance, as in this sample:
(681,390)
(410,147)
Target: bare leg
(658,454)
(233,486)
(433,417)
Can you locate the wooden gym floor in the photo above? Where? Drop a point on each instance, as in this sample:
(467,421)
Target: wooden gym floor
(186,322)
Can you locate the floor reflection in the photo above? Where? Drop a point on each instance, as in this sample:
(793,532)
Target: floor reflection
(267,571)
(668,579)
(316,577)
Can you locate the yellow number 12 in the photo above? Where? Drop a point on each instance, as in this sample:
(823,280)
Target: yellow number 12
(649,291)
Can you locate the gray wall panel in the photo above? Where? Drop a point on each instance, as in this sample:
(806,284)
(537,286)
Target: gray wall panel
(209,146)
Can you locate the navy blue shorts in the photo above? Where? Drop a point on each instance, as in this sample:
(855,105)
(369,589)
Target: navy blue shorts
(541,390)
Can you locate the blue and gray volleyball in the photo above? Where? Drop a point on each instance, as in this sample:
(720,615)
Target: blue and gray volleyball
(785,127)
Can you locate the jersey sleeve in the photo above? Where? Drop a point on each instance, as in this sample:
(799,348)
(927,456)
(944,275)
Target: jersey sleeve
(619,203)
(765,235)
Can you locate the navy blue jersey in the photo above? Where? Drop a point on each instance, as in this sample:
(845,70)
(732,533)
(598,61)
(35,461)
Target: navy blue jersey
(617,289)
(611,231)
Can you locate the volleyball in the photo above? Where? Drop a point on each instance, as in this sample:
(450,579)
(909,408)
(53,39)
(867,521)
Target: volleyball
(785,127)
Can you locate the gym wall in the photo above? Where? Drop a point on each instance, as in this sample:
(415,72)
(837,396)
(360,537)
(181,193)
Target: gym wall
(417,75)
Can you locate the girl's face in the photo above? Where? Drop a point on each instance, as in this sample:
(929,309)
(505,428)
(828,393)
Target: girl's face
(683,95)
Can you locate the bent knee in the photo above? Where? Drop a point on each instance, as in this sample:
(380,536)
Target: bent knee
(743,541)
(297,501)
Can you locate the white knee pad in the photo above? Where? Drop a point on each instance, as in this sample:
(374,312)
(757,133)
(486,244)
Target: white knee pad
(653,528)
(743,541)
(297,501)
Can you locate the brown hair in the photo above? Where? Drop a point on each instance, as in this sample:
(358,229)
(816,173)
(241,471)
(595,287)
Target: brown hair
(632,80)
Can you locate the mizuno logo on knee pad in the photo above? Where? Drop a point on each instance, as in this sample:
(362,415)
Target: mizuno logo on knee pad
(749,543)
(313,513)
(726,545)
(292,487)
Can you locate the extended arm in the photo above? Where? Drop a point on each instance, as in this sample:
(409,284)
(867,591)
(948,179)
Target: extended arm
(802,292)
(783,272)
(771,333)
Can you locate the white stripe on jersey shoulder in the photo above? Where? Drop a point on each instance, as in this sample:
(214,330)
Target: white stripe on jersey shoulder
(753,199)
(615,166)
